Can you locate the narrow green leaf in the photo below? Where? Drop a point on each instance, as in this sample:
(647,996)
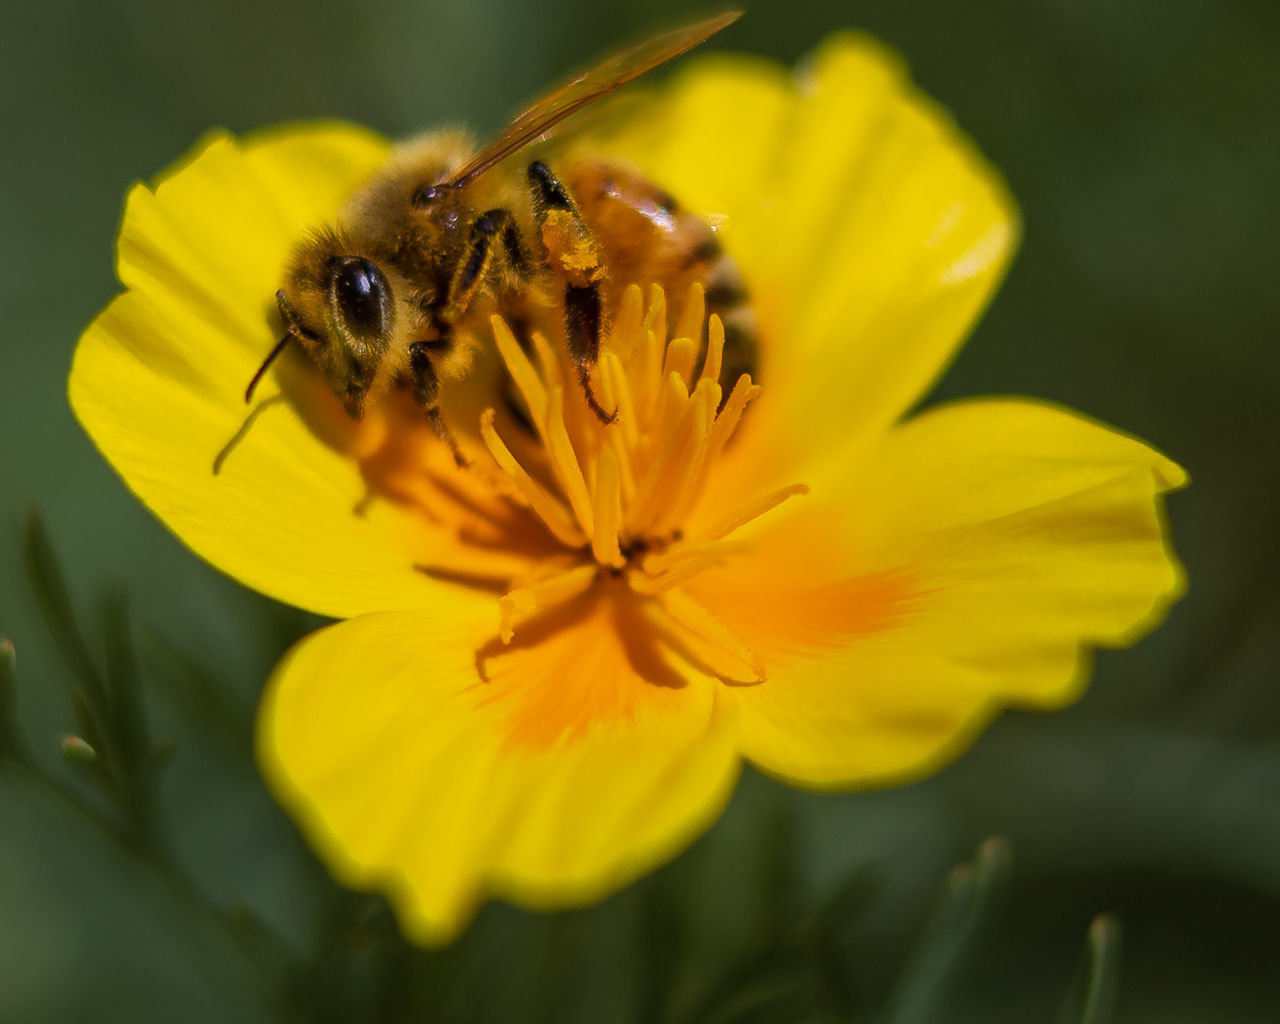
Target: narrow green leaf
(77,750)
(161,754)
(849,899)
(993,868)
(131,747)
(112,736)
(205,700)
(843,985)
(81,758)
(1093,995)
(780,996)
(10,743)
(128,724)
(51,593)
(90,727)
(968,899)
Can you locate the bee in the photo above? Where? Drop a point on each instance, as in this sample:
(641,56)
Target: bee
(439,238)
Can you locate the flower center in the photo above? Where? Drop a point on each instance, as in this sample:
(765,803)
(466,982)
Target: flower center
(617,495)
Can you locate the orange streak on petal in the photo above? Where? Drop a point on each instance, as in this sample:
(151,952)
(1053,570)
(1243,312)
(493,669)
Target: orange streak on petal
(800,589)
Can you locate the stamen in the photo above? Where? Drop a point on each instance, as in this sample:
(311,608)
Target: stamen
(680,490)
(671,404)
(648,376)
(627,323)
(683,619)
(753,509)
(547,361)
(723,427)
(545,593)
(548,509)
(564,461)
(727,422)
(694,483)
(656,481)
(625,489)
(693,315)
(680,356)
(521,371)
(612,370)
(656,320)
(696,618)
(608,502)
(656,564)
(644,583)
(715,349)
(607,387)
(618,445)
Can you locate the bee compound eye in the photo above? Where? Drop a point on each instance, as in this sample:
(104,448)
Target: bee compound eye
(360,298)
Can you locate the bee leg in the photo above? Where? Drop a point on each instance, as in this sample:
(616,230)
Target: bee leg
(492,225)
(426,392)
(582,323)
(572,253)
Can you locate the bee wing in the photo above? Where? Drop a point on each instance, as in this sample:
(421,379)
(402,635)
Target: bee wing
(585,88)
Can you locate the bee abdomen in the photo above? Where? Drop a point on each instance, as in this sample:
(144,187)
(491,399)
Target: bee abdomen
(648,237)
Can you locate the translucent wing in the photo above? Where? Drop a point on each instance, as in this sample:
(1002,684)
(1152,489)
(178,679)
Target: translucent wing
(583,89)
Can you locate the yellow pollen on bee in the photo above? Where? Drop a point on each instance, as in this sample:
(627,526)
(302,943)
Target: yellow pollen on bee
(617,495)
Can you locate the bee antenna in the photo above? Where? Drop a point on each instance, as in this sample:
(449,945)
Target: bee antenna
(271,358)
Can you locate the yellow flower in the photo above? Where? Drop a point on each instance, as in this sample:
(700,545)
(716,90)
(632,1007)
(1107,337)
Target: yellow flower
(554,662)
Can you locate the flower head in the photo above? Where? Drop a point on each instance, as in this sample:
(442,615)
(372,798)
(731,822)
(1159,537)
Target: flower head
(554,660)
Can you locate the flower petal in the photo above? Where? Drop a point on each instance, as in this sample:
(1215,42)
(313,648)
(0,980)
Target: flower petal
(895,230)
(210,240)
(960,566)
(425,757)
(159,377)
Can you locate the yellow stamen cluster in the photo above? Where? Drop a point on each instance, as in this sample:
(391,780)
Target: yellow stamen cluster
(617,494)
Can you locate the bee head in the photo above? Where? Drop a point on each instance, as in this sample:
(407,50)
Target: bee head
(338,306)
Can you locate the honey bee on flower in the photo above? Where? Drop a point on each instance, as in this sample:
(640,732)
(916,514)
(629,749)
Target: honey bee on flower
(439,236)
(554,661)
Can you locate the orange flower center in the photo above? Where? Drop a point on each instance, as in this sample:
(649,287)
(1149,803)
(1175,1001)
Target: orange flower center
(616,495)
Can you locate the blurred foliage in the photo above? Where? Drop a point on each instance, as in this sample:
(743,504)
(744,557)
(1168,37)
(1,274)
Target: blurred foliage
(649,961)
(1138,137)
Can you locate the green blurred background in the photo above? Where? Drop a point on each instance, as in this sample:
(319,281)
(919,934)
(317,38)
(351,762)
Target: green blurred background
(1140,138)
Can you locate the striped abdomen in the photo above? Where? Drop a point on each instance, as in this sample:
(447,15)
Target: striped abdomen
(645,237)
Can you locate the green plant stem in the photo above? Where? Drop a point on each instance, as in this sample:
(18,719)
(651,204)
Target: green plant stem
(273,972)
